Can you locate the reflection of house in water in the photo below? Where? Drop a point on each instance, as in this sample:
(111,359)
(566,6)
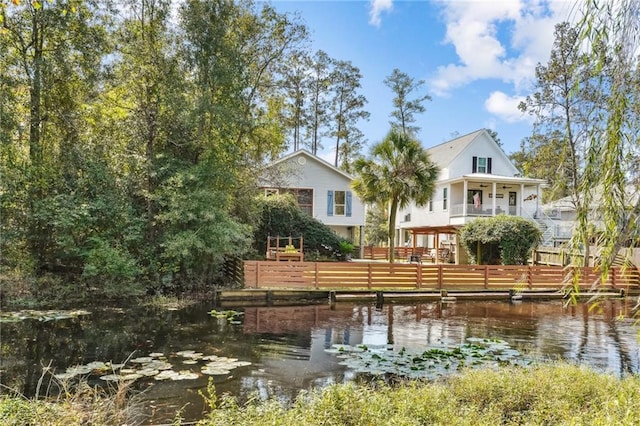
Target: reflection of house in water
(548,328)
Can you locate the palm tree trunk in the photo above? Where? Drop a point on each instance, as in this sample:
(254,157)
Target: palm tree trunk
(392,228)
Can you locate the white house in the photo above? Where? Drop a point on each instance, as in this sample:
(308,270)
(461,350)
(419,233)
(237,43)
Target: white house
(564,216)
(322,190)
(476,179)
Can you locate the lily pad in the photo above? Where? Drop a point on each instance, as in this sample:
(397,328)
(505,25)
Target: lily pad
(142,360)
(431,363)
(215,371)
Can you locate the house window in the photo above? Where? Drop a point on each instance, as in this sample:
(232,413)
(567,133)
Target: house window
(481,165)
(444,198)
(430,205)
(304,197)
(339,203)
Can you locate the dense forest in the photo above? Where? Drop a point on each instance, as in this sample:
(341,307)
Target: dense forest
(132,131)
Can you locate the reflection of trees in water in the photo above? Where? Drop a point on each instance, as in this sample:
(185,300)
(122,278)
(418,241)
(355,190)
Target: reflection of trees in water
(609,310)
(279,335)
(105,335)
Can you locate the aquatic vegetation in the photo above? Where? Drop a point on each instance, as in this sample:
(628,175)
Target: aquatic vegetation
(232,316)
(156,366)
(50,315)
(428,364)
(170,303)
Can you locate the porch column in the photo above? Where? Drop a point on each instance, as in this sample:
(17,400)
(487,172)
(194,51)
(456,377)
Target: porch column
(521,212)
(493,200)
(465,188)
(361,242)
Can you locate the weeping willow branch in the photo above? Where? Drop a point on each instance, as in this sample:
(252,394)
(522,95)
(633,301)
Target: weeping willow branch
(611,30)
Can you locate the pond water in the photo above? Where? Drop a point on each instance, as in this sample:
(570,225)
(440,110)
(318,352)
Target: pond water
(287,345)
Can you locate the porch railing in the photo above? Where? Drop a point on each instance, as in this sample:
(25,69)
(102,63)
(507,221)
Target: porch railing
(483,210)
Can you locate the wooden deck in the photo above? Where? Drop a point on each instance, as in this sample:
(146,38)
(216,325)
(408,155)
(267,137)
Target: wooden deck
(404,276)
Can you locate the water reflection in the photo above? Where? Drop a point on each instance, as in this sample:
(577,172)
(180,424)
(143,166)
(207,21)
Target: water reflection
(286,345)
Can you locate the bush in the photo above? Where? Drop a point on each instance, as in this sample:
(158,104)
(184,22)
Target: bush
(282,217)
(503,239)
(548,394)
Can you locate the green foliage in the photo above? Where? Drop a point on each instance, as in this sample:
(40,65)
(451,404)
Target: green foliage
(346,247)
(404,109)
(545,394)
(611,33)
(282,217)
(502,239)
(564,106)
(376,230)
(398,172)
(556,394)
(198,231)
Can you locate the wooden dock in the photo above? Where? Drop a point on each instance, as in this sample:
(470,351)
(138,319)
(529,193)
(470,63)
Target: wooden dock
(252,297)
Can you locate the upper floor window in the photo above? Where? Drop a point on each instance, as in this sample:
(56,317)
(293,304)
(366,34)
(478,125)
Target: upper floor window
(481,165)
(339,203)
(444,198)
(430,205)
(304,197)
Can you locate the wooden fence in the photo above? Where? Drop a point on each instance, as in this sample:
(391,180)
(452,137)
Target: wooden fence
(387,276)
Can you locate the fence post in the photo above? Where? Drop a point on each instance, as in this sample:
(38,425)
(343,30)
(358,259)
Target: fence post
(613,277)
(530,277)
(419,275)
(440,283)
(257,274)
(486,277)
(369,275)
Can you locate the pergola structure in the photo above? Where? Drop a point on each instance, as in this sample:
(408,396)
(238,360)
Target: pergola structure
(436,231)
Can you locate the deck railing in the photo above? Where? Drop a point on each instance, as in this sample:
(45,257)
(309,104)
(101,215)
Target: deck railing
(372,275)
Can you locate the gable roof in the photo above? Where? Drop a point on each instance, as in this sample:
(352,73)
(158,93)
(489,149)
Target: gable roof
(308,155)
(444,153)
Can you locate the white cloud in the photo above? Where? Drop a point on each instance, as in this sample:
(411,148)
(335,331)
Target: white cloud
(500,39)
(377,7)
(505,107)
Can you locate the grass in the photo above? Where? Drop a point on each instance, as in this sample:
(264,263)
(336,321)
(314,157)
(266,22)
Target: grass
(544,395)
(557,394)
(80,404)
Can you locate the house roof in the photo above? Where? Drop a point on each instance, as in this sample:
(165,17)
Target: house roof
(307,154)
(444,153)
(567,203)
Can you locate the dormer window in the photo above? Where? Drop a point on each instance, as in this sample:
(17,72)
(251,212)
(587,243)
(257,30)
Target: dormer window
(481,165)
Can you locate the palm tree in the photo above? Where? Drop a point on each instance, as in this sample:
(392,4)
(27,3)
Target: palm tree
(398,172)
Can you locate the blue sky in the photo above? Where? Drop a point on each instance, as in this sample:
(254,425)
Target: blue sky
(477,57)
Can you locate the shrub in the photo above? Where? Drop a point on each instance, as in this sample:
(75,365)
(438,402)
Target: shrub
(282,217)
(502,239)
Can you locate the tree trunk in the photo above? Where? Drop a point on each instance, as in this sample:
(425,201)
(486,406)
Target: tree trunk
(392,229)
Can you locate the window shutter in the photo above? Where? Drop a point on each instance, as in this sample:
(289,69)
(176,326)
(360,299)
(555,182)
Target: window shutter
(474,166)
(348,202)
(489,165)
(329,203)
